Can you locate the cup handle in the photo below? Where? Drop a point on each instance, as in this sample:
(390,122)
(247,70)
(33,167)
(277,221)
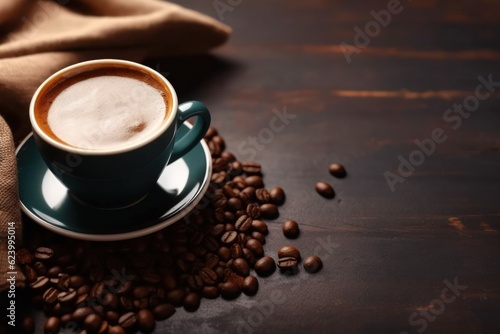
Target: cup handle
(196,133)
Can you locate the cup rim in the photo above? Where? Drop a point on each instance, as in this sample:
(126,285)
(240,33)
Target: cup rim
(83,151)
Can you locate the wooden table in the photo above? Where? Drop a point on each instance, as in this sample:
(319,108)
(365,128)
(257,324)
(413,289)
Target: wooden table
(388,253)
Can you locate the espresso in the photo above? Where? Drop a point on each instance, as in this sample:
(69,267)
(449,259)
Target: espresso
(103,107)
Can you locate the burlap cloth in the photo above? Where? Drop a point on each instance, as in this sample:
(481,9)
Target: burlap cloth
(39,37)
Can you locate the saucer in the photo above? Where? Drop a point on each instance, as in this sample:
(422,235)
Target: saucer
(46,200)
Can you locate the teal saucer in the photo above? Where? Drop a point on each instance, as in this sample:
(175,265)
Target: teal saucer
(46,201)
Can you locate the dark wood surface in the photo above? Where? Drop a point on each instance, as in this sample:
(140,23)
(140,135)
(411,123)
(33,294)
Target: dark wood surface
(390,251)
(387,255)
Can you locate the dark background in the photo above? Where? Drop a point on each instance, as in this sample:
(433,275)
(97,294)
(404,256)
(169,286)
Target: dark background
(390,251)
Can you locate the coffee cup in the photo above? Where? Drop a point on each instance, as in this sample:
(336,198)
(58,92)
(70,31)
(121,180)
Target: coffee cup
(107,129)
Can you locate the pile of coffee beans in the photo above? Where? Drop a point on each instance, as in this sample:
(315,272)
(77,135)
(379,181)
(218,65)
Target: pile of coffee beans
(126,286)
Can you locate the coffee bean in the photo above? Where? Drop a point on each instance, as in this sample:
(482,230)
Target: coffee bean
(76,281)
(325,190)
(109,300)
(208,276)
(116,330)
(291,229)
(219,165)
(263,195)
(30,273)
(195,282)
(51,325)
(234,204)
(251,168)
(175,297)
(250,285)
(63,281)
(289,251)
(65,319)
(81,313)
(259,236)
(40,283)
(240,267)
(210,292)
(256,247)
(269,211)
(313,264)
(141,291)
(23,256)
(192,302)
(112,317)
(128,321)
(287,263)
(124,287)
(277,195)
(265,266)
(229,227)
(250,191)
(337,170)
(249,256)
(44,253)
(229,290)
(255,181)
(212,261)
(163,311)
(40,268)
(243,223)
(145,321)
(224,253)
(219,201)
(259,226)
(54,271)
(92,323)
(126,303)
(50,296)
(151,278)
(236,251)
(229,192)
(211,244)
(253,211)
(67,296)
(229,237)
(211,132)
(27,325)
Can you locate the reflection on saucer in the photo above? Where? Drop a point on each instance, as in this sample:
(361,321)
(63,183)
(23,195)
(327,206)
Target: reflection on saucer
(53,191)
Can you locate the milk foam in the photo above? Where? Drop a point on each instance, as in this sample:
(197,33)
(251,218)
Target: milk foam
(106,112)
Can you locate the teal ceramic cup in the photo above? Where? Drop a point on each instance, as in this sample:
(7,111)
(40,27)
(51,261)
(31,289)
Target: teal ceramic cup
(117,177)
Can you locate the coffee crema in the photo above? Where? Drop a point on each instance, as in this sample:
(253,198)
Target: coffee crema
(102,107)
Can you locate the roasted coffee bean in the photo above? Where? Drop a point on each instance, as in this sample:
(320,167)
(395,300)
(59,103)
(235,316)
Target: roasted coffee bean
(250,285)
(208,276)
(325,190)
(234,204)
(219,141)
(23,256)
(81,299)
(243,238)
(211,244)
(151,278)
(229,227)
(195,282)
(210,292)
(50,296)
(40,268)
(219,201)
(218,178)
(219,216)
(219,270)
(229,192)
(228,156)
(128,321)
(265,266)
(116,330)
(291,229)
(192,302)
(81,313)
(51,325)
(337,170)
(313,264)
(65,260)
(63,281)
(40,283)
(76,281)
(163,311)
(229,290)
(263,195)
(110,300)
(211,132)
(229,216)
(250,191)
(253,211)
(175,297)
(44,253)
(249,256)
(112,317)
(259,236)
(236,168)
(269,211)
(219,164)
(141,291)
(229,237)
(65,319)
(124,287)
(256,247)
(145,321)
(259,226)
(254,181)
(30,273)
(289,251)
(27,325)
(240,266)
(54,271)
(277,195)
(92,323)
(236,251)
(126,303)
(97,290)
(67,296)
(224,253)
(243,223)
(252,168)
(236,279)
(287,263)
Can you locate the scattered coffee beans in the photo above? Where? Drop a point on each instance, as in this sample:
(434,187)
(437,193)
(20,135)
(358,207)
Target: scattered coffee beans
(337,170)
(291,229)
(325,190)
(121,287)
(313,264)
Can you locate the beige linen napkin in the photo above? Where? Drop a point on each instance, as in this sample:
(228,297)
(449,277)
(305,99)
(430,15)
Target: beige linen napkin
(39,37)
